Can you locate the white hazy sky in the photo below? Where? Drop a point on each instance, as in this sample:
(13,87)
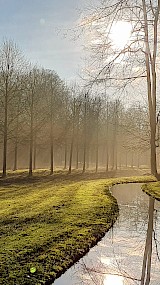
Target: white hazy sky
(33,25)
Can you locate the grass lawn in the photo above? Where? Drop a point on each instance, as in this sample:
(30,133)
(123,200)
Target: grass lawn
(152,189)
(48,223)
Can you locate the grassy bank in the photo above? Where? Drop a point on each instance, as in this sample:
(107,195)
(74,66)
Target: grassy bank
(46,225)
(152,189)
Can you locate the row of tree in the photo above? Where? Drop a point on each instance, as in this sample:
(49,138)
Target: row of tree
(28,97)
(134,60)
(45,122)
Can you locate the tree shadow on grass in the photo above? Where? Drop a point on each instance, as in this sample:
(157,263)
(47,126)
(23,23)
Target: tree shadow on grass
(62,176)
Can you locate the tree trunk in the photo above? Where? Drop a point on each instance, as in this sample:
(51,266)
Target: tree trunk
(71,154)
(126,159)
(35,153)
(31,139)
(116,127)
(31,153)
(87,155)
(5,149)
(72,140)
(116,164)
(97,144)
(77,146)
(16,138)
(5,139)
(120,160)
(107,157)
(65,155)
(51,130)
(132,158)
(153,155)
(107,134)
(51,142)
(150,59)
(97,158)
(77,154)
(16,148)
(15,155)
(138,160)
(84,158)
(113,156)
(85,135)
(52,160)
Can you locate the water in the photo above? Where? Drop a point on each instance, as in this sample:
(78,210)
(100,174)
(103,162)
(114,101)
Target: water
(117,259)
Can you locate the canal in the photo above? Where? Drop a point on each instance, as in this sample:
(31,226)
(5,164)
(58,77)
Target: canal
(119,257)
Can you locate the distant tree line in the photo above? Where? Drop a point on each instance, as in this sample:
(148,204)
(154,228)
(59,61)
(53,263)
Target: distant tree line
(44,123)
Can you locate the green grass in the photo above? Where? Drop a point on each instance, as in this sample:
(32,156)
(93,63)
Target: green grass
(152,189)
(47,225)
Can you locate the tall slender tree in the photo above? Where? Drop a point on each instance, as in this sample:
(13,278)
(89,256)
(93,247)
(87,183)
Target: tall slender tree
(11,68)
(116,64)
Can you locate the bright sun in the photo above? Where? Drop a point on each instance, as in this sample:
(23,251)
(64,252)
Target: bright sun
(120,33)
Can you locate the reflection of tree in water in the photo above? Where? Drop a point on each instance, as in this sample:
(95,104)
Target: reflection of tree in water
(117,274)
(100,277)
(146,268)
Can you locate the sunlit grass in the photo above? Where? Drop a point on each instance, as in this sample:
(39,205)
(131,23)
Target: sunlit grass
(152,189)
(47,225)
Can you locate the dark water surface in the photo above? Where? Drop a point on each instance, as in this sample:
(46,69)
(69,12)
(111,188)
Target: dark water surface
(118,257)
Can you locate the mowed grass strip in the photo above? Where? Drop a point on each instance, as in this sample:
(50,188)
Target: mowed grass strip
(152,189)
(46,227)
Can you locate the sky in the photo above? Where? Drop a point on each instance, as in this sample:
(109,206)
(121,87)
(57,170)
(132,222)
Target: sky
(38,27)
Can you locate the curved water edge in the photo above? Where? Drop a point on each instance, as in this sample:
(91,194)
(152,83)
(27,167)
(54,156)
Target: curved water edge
(111,219)
(118,257)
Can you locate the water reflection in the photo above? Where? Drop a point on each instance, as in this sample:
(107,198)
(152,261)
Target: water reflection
(112,279)
(146,268)
(123,257)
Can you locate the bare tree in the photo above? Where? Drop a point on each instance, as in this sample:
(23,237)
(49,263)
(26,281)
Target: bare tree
(140,49)
(85,133)
(11,67)
(72,135)
(55,84)
(34,108)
